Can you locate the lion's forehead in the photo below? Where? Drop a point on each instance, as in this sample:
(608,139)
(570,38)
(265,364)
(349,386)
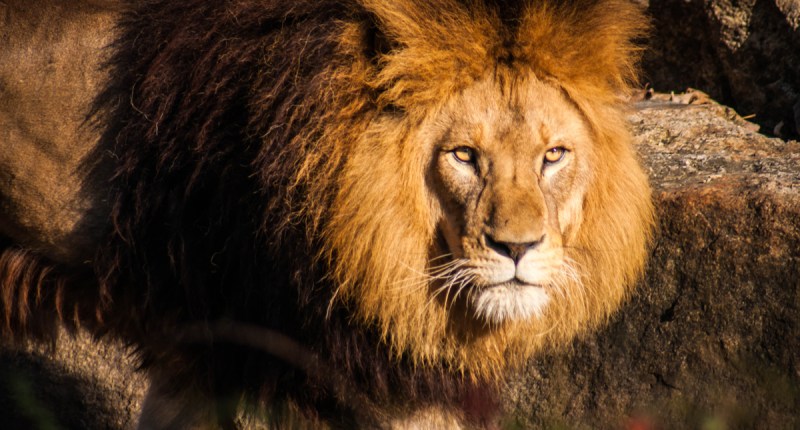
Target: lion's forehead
(530,115)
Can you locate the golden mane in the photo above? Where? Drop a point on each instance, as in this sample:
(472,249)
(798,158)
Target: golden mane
(583,47)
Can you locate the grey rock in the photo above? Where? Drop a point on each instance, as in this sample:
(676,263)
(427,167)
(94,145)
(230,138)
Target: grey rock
(745,54)
(78,383)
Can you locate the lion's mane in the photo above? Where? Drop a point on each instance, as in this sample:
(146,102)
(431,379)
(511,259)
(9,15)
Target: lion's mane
(246,188)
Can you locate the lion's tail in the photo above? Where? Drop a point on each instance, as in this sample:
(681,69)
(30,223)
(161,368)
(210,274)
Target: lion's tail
(37,296)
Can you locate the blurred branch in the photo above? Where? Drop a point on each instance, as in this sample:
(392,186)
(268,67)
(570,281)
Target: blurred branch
(292,352)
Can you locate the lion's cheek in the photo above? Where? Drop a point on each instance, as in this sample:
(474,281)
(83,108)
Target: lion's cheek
(462,228)
(451,232)
(565,205)
(542,267)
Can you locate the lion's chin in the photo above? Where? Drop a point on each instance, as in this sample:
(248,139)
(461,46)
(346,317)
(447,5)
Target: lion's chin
(509,301)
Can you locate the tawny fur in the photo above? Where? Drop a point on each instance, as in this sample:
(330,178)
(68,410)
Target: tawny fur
(264,172)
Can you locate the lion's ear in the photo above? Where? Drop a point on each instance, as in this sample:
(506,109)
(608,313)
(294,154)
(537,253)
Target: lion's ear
(377,43)
(508,11)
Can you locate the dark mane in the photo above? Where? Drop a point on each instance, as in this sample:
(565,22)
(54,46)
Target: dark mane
(201,199)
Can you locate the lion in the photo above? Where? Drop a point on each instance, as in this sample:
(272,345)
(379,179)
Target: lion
(356,212)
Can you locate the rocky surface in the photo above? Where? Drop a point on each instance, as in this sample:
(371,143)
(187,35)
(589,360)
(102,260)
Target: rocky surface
(744,53)
(78,384)
(711,339)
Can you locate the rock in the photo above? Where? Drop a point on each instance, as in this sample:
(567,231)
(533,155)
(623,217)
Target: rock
(712,336)
(80,384)
(745,54)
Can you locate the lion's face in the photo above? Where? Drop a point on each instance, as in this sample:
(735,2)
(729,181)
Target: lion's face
(481,227)
(490,204)
(510,165)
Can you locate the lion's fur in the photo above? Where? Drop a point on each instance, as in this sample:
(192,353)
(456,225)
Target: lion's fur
(266,172)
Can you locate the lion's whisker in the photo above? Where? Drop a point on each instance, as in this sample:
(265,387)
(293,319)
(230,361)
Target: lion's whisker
(413,285)
(463,285)
(440,257)
(461,278)
(434,272)
(446,287)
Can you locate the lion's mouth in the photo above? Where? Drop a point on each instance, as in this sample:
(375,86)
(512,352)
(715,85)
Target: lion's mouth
(508,301)
(513,284)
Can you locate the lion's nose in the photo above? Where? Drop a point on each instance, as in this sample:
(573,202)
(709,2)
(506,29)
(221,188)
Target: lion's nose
(512,250)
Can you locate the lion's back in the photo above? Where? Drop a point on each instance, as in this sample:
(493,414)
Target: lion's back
(49,74)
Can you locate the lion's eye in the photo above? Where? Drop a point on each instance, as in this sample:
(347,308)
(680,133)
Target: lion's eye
(464,154)
(554,155)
